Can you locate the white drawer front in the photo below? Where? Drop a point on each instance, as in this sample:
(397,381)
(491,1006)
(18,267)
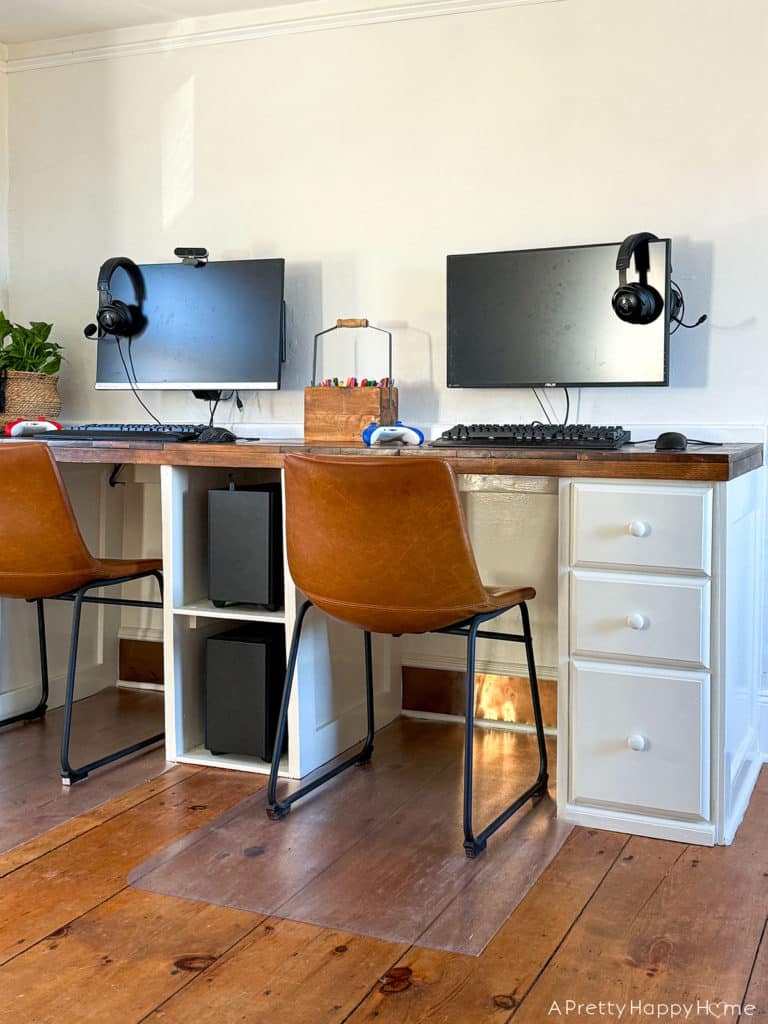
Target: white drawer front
(650,618)
(638,526)
(640,739)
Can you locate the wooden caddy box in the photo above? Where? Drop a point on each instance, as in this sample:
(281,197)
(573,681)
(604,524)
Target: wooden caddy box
(342,414)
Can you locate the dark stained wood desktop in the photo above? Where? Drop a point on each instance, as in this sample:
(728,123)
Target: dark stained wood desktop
(638,462)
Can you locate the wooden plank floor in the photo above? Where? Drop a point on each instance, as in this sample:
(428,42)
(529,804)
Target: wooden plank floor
(32,798)
(612,918)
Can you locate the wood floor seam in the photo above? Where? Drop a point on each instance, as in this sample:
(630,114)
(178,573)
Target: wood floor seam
(229,951)
(97,824)
(567,932)
(755,958)
(361,838)
(659,884)
(50,935)
(378,981)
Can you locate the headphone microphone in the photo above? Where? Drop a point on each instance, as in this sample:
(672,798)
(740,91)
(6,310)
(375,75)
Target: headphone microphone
(114,316)
(637,302)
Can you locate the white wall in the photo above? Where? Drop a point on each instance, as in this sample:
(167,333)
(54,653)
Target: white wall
(364,155)
(3,183)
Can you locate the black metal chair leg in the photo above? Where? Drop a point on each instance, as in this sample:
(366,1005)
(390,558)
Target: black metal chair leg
(364,757)
(279,808)
(42,705)
(475,844)
(275,808)
(472,846)
(543,777)
(70,775)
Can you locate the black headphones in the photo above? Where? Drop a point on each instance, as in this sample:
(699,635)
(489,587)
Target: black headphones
(114,316)
(637,302)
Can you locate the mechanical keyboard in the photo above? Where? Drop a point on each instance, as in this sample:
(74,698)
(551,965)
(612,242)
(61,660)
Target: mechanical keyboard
(531,435)
(163,432)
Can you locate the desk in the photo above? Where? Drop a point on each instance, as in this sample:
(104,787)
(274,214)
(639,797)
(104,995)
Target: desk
(659,602)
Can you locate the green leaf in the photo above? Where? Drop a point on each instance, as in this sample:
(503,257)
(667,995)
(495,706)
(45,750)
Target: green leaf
(5,325)
(40,329)
(29,349)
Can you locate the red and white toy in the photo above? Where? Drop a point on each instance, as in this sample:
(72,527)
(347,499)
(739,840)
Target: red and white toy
(25,428)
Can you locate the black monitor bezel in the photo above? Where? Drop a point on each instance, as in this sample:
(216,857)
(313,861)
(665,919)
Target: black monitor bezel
(564,383)
(210,385)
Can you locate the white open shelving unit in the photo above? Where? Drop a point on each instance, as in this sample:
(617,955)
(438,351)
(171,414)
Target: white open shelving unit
(327,710)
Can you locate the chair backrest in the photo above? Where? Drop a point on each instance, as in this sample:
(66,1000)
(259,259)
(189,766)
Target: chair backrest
(42,552)
(380,542)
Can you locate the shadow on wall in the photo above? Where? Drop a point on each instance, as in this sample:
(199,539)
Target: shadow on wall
(692,265)
(304,302)
(418,394)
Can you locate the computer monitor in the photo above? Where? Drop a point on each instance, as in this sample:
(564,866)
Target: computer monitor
(219,326)
(543,317)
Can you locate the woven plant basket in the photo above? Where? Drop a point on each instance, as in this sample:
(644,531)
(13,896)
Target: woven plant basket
(29,395)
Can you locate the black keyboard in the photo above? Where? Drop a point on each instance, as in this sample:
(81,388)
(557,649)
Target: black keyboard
(531,435)
(161,432)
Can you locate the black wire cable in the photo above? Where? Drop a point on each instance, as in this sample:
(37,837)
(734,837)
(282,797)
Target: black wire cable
(680,315)
(546,414)
(567,407)
(212,407)
(131,381)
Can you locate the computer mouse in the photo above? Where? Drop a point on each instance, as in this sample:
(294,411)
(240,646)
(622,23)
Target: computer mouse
(215,435)
(671,441)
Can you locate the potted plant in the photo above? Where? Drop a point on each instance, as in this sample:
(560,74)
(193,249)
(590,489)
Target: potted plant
(29,366)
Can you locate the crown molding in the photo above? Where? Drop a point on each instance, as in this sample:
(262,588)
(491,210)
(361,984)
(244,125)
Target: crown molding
(216,30)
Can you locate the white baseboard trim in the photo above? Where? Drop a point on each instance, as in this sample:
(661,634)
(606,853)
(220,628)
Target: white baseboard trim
(762,723)
(750,771)
(698,834)
(486,723)
(90,679)
(127,684)
(150,633)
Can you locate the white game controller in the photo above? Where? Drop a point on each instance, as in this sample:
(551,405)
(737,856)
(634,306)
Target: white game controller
(397,432)
(25,428)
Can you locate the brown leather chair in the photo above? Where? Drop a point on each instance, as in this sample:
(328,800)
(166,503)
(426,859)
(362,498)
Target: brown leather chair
(43,556)
(381,543)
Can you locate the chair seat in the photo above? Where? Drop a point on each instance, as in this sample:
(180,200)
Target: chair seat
(378,619)
(502,597)
(114,568)
(34,585)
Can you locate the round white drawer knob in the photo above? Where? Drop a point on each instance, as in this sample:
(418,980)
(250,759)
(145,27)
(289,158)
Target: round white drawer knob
(638,528)
(637,621)
(638,742)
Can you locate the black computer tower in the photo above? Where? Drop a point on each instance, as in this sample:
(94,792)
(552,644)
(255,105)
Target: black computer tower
(245,546)
(244,676)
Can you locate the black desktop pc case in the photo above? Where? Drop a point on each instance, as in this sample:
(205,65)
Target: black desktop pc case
(244,676)
(245,546)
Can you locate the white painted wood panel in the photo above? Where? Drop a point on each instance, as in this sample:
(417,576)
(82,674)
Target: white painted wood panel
(513,526)
(640,739)
(649,526)
(650,618)
(327,710)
